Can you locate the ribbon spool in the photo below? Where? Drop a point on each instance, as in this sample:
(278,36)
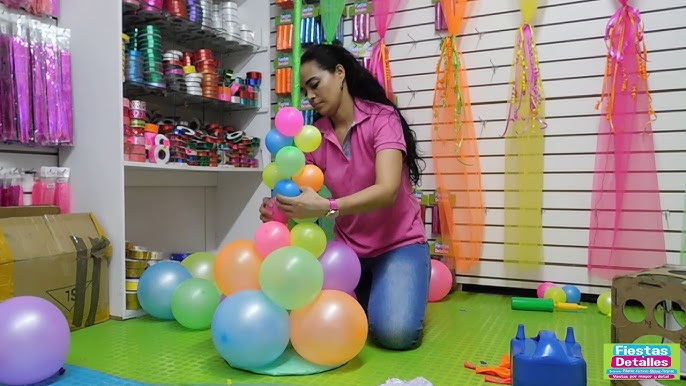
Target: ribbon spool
(195,11)
(207,14)
(149,41)
(176,8)
(152,6)
(172,66)
(159,154)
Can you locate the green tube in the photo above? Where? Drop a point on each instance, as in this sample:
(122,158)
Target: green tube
(295,58)
(533,304)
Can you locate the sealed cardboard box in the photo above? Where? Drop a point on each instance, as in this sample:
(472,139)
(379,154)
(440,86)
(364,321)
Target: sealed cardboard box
(62,258)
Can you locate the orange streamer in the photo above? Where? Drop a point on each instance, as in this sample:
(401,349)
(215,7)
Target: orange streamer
(455,152)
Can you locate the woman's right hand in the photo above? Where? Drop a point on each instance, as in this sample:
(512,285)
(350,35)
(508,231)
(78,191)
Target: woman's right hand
(266,209)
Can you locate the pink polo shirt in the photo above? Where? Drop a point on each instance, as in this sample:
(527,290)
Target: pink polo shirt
(350,168)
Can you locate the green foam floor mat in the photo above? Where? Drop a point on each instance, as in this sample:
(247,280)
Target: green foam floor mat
(466,327)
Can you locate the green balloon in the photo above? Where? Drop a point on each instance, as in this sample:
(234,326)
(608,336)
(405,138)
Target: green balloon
(290,161)
(194,302)
(200,265)
(271,175)
(301,220)
(309,236)
(291,277)
(605,303)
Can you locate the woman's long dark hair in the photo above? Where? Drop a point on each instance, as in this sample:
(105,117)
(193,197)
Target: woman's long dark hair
(362,84)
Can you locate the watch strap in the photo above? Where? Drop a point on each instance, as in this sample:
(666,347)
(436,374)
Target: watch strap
(332,204)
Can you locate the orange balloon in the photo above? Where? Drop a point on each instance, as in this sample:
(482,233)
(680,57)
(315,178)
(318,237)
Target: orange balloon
(331,330)
(311,176)
(237,267)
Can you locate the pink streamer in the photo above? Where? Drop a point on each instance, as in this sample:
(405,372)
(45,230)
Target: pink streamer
(384,10)
(626,232)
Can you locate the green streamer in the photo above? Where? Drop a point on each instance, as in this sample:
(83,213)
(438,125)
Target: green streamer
(331,11)
(295,59)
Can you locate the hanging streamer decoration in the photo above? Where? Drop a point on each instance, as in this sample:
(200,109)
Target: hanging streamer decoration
(384,10)
(524,150)
(626,232)
(331,12)
(455,152)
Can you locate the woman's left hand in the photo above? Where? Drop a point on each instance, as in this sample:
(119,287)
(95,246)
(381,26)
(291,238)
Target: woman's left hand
(308,204)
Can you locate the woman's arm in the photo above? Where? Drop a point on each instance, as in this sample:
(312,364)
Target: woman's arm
(388,167)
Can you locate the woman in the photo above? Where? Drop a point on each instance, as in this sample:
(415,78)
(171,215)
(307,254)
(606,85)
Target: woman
(370,162)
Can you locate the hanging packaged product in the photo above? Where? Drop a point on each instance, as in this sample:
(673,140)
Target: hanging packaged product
(51,187)
(439,17)
(311,31)
(284,31)
(361,15)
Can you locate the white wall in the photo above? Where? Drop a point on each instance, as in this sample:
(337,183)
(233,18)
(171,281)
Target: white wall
(572,60)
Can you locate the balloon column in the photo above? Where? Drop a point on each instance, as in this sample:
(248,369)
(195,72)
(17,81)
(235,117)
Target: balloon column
(288,142)
(284,270)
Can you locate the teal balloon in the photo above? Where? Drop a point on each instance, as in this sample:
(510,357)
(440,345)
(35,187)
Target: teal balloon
(249,331)
(290,161)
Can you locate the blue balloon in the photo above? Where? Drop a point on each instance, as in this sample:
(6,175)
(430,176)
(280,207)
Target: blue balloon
(286,188)
(249,331)
(573,294)
(275,141)
(157,285)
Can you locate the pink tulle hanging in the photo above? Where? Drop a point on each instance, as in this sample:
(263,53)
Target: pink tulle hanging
(379,66)
(626,232)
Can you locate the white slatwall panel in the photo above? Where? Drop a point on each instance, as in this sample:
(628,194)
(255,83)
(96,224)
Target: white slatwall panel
(571,48)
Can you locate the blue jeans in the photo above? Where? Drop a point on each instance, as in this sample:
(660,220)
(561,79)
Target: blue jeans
(394,291)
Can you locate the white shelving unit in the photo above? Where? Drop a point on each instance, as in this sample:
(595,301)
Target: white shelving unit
(170,208)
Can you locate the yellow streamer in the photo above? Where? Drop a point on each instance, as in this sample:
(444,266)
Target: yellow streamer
(524,151)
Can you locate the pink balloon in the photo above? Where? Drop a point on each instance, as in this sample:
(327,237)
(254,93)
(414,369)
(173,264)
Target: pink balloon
(540,291)
(342,269)
(277,214)
(289,121)
(441,281)
(271,236)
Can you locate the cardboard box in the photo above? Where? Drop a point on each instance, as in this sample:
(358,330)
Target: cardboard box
(650,287)
(62,258)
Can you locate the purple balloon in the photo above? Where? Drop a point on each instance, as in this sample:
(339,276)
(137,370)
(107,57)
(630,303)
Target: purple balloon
(341,267)
(35,340)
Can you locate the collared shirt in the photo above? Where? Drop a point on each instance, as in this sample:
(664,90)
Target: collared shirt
(350,167)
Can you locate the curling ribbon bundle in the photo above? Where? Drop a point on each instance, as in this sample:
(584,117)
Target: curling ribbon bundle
(626,231)
(457,167)
(524,150)
(384,10)
(35,82)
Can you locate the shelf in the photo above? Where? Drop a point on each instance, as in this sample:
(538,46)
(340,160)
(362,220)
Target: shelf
(134,90)
(195,36)
(129,165)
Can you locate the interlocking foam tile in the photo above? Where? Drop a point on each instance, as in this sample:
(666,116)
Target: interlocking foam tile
(466,327)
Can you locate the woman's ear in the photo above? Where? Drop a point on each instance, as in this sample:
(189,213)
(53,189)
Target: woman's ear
(340,71)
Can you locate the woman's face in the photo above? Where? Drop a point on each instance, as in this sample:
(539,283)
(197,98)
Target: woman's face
(322,88)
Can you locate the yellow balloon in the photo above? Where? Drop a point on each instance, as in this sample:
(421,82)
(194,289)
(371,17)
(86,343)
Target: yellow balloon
(528,8)
(309,139)
(309,236)
(271,175)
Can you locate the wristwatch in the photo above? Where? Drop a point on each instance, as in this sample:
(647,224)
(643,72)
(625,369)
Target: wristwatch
(333,209)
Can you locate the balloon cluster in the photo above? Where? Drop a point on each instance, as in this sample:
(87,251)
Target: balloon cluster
(288,142)
(184,292)
(281,271)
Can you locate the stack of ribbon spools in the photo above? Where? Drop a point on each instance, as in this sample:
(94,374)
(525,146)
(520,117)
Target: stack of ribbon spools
(195,11)
(144,56)
(137,260)
(173,71)
(176,8)
(135,120)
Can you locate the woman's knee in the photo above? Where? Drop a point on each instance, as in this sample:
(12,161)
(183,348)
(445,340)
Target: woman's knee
(403,336)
